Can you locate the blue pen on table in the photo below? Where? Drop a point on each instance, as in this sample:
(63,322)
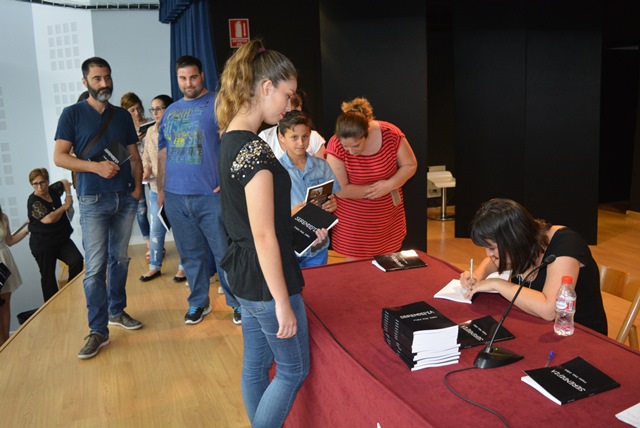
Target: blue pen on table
(549,358)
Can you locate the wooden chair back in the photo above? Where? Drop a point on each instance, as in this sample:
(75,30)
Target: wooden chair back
(626,286)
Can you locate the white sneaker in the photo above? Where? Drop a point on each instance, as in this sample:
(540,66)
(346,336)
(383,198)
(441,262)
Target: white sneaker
(220,290)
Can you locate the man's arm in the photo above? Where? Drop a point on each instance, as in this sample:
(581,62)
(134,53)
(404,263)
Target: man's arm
(136,170)
(162,160)
(63,158)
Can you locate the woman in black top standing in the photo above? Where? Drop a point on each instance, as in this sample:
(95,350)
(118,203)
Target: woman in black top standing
(256,86)
(51,230)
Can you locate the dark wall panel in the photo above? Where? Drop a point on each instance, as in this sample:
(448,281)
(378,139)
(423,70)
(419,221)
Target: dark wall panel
(562,127)
(381,56)
(527,109)
(490,65)
(291,27)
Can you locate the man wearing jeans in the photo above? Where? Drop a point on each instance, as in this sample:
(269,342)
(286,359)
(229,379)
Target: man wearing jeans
(188,186)
(108,196)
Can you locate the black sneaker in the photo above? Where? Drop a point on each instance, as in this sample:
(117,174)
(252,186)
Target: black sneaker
(93,345)
(195,314)
(237,316)
(125,321)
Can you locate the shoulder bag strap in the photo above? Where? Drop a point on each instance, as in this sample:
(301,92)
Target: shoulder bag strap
(101,132)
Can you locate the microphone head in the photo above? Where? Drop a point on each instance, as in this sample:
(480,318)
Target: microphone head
(550,259)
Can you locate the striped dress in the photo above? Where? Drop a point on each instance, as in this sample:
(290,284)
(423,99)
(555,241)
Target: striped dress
(369,227)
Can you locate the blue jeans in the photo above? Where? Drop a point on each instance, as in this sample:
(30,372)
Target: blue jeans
(268,403)
(106,220)
(197,226)
(158,234)
(141,215)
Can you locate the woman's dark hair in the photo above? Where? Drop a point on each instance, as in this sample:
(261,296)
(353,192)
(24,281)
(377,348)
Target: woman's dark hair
(519,236)
(292,119)
(166,99)
(188,61)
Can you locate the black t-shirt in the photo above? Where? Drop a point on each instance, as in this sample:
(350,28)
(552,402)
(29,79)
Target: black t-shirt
(52,234)
(242,155)
(589,308)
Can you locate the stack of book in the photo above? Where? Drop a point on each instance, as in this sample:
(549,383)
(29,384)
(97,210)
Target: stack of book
(421,336)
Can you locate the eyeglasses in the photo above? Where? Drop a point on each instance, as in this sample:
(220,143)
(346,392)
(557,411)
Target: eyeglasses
(39,183)
(156,110)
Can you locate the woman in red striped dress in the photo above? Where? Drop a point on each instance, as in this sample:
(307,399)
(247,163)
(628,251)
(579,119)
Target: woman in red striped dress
(372,160)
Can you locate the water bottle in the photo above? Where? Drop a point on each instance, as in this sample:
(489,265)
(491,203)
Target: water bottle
(565,308)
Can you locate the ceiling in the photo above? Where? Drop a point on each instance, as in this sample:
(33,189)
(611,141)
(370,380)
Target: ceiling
(100,4)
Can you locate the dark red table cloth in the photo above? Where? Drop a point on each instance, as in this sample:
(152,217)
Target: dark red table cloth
(356,380)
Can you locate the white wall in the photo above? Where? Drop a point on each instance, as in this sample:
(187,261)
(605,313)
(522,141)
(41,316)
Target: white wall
(41,53)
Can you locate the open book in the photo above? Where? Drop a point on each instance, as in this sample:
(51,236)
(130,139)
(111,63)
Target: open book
(454,291)
(319,193)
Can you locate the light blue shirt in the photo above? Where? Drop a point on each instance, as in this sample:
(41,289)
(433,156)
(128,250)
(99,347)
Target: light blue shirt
(316,171)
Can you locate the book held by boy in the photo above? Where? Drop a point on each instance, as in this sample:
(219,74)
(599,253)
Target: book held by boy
(319,193)
(114,152)
(570,381)
(305,223)
(402,260)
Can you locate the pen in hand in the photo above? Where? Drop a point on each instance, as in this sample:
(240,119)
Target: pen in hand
(470,272)
(549,358)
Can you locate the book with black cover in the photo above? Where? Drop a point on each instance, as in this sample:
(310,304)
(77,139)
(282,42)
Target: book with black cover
(162,215)
(305,223)
(479,331)
(145,126)
(428,354)
(5,273)
(423,324)
(114,152)
(319,194)
(570,381)
(401,260)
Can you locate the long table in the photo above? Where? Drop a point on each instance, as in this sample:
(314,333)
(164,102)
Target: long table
(356,380)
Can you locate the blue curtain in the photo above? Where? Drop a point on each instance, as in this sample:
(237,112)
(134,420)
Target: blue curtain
(190,35)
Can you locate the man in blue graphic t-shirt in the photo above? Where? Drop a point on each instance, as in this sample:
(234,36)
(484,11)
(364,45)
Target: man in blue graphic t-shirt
(188,185)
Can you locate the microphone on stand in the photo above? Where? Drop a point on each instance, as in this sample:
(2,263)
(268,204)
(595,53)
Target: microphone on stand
(492,357)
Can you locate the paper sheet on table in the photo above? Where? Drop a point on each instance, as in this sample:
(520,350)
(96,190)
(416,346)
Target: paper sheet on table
(631,415)
(454,291)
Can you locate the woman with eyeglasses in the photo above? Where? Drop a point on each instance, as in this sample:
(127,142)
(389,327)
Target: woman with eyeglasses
(10,284)
(150,165)
(51,230)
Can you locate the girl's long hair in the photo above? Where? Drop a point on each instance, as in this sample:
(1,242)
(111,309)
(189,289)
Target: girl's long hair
(247,67)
